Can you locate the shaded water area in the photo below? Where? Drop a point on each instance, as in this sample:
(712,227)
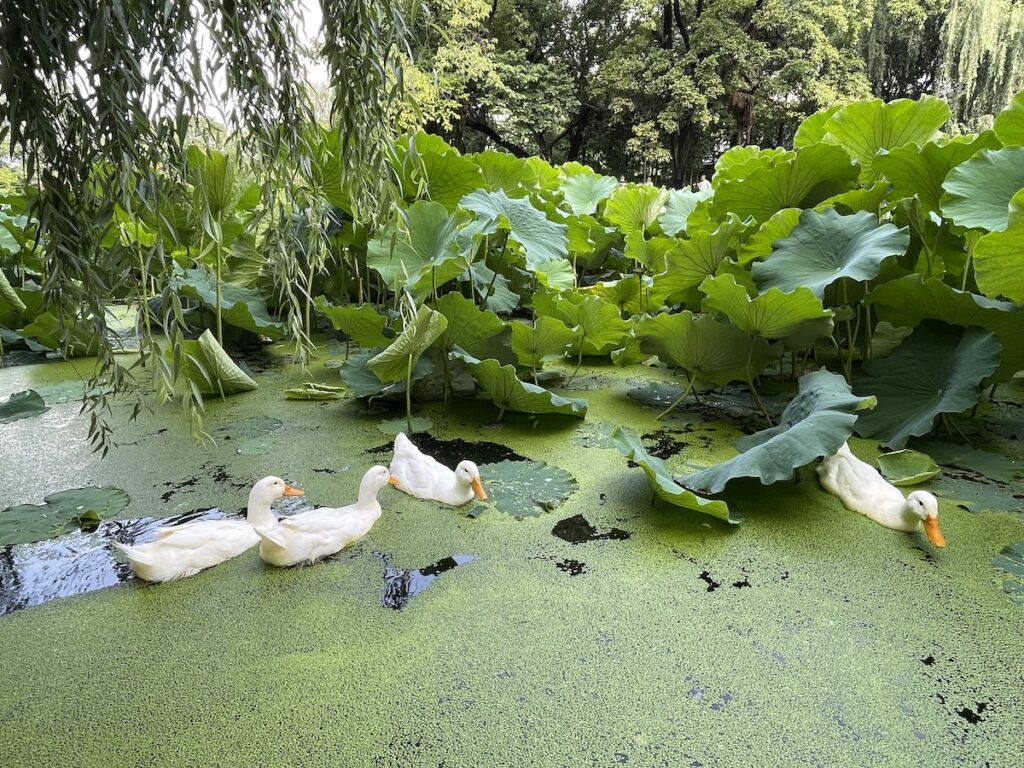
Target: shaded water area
(571,623)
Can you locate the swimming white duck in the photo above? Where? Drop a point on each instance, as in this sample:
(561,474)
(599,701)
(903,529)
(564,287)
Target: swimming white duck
(184,550)
(862,489)
(311,536)
(425,477)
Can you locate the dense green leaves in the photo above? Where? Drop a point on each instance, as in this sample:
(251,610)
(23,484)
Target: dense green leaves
(937,369)
(634,208)
(815,424)
(826,246)
(999,257)
(662,484)
(468,328)
(1009,126)
(547,339)
(241,307)
(584,191)
(541,239)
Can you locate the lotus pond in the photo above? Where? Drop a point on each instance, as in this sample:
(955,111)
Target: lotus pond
(594,629)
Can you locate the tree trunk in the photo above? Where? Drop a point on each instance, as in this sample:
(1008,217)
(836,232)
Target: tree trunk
(682,142)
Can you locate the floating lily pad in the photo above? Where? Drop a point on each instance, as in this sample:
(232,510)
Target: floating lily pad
(254,426)
(996,466)
(62,512)
(394,426)
(1011,560)
(526,488)
(656,394)
(907,467)
(22,405)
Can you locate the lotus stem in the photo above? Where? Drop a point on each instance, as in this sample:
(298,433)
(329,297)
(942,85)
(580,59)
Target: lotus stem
(501,412)
(579,362)
(408,394)
(678,400)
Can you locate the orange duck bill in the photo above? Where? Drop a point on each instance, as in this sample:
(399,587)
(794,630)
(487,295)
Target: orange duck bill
(934,533)
(478,488)
(291,491)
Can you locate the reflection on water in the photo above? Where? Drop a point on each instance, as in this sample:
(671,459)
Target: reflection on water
(78,562)
(402,586)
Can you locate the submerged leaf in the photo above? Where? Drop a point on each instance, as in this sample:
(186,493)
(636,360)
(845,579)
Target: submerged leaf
(815,424)
(526,488)
(1011,560)
(664,487)
(394,426)
(937,369)
(62,512)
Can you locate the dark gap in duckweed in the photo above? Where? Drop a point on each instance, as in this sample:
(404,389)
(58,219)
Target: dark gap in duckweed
(451,452)
(663,444)
(401,586)
(577,530)
(705,576)
(78,562)
(973,716)
(572,567)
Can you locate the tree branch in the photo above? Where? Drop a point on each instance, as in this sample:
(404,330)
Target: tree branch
(496,137)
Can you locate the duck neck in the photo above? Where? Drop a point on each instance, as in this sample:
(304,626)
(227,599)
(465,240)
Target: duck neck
(258,512)
(368,497)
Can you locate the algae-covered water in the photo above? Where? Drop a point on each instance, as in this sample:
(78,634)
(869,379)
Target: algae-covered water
(808,635)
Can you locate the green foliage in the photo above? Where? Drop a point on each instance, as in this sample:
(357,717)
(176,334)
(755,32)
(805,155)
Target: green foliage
(662,484)
(546,339)
(420,331)
(241,307)
(770,315)
(938,369)
(312,390)
(999,257)
(815,424)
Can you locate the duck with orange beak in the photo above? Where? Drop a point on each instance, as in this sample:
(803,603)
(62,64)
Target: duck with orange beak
(424,477)
(862,489)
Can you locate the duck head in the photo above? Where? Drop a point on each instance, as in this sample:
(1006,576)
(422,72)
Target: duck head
(468,473)
(926,506)
(263,494)
(375,479)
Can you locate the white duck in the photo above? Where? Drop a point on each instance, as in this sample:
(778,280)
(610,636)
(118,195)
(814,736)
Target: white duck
(862,489)
(184,550)
(424,477)
(311,536)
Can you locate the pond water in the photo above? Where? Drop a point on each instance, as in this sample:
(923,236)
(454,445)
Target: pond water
(573,627)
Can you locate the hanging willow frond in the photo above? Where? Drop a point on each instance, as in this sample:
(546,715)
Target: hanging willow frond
(99,95)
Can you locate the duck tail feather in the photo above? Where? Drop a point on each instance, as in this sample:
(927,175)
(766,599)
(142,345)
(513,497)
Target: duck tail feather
(271,536)
(133,553)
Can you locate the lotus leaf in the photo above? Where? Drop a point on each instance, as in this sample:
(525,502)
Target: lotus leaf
(664,487)
(650,252)
(771,315)
(48,330)
(979,190)
(312,390)
(812,129)
(526,488)
(362,324)
(826,246)
(694,260)
(211,370)
(449,176)
(937,369)
(470,328)
(541,239)
(8,298)
(681,203)
(363,382)
(814,424)
(905,468)
(240,307)
(394,426)
(506,172)
(22,405)
(584,191)
(506,391)
(62,512)
(1009,126)
(999,257)
(759,244)
(1011,560)
(547,339)
(627,293)
(600,326)
(635,207)
(420,331)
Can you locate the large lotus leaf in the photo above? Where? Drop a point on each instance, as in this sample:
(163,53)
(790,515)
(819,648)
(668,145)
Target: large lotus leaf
(524,488)
(416,337)
(739,162)
(826,246)
(859,199)
(240,307)
(626,293)
(771,315)
(363,382)
(1009,126)
(8,298)
(449,177)
(215,177)
(1011,560)
(211,369)
(22,405)
(978,191)
(420,250)
(504,171)
(863,128)
(937,369)
(11,339)
(804,180)
(469,327)
(815,424)
(759,244)
(920,171)
(584,191)
(362,324)
(48,330)
(635,207)
(904,468)
(911,299)
(600,325)
(681,203)
(557,273)
(541,239)
(506,391)
(62,512)
(547,339)
(493,288)
(999,257)
(693,260)
(812,129)
(650,252)
(664,487)
(710,351)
